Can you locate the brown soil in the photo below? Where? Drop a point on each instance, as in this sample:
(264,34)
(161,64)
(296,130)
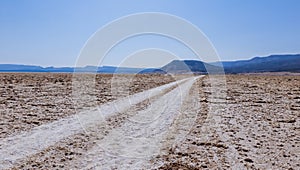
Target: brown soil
(255,126)
(258,127)
(28,100)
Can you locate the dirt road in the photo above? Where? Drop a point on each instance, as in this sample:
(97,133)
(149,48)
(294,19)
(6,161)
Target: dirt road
(130,143)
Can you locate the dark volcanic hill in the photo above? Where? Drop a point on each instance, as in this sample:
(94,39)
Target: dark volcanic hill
(190,66)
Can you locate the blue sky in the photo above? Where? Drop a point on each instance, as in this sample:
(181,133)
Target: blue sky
(52,32)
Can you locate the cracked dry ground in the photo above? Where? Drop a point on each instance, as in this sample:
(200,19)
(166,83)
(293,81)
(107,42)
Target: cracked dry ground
(253,124)
(28,100)
(256,126)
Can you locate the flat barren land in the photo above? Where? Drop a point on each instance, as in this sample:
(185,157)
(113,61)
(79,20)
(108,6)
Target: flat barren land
(149,121)
(31,99)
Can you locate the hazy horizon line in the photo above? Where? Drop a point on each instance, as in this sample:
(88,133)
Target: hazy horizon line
(193,59)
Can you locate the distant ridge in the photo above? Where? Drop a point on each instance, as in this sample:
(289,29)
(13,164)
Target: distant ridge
(272,63)
(19,68)
(86,69)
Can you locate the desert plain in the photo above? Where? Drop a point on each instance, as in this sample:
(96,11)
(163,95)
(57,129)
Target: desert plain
(149,121)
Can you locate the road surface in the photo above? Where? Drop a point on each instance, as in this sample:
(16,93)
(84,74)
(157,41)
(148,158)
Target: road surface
(130,143)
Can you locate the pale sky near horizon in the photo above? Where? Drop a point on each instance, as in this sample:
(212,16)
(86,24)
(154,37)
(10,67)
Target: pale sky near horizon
(52,32)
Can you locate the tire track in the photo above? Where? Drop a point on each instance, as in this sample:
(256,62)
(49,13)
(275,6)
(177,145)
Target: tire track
(60,154)
(15,148)
(132,145)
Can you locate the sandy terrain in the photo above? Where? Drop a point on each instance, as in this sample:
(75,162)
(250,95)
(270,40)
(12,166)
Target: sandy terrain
(254,124)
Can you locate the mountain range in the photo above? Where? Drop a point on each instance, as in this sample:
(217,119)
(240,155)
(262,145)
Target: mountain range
(272,63)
